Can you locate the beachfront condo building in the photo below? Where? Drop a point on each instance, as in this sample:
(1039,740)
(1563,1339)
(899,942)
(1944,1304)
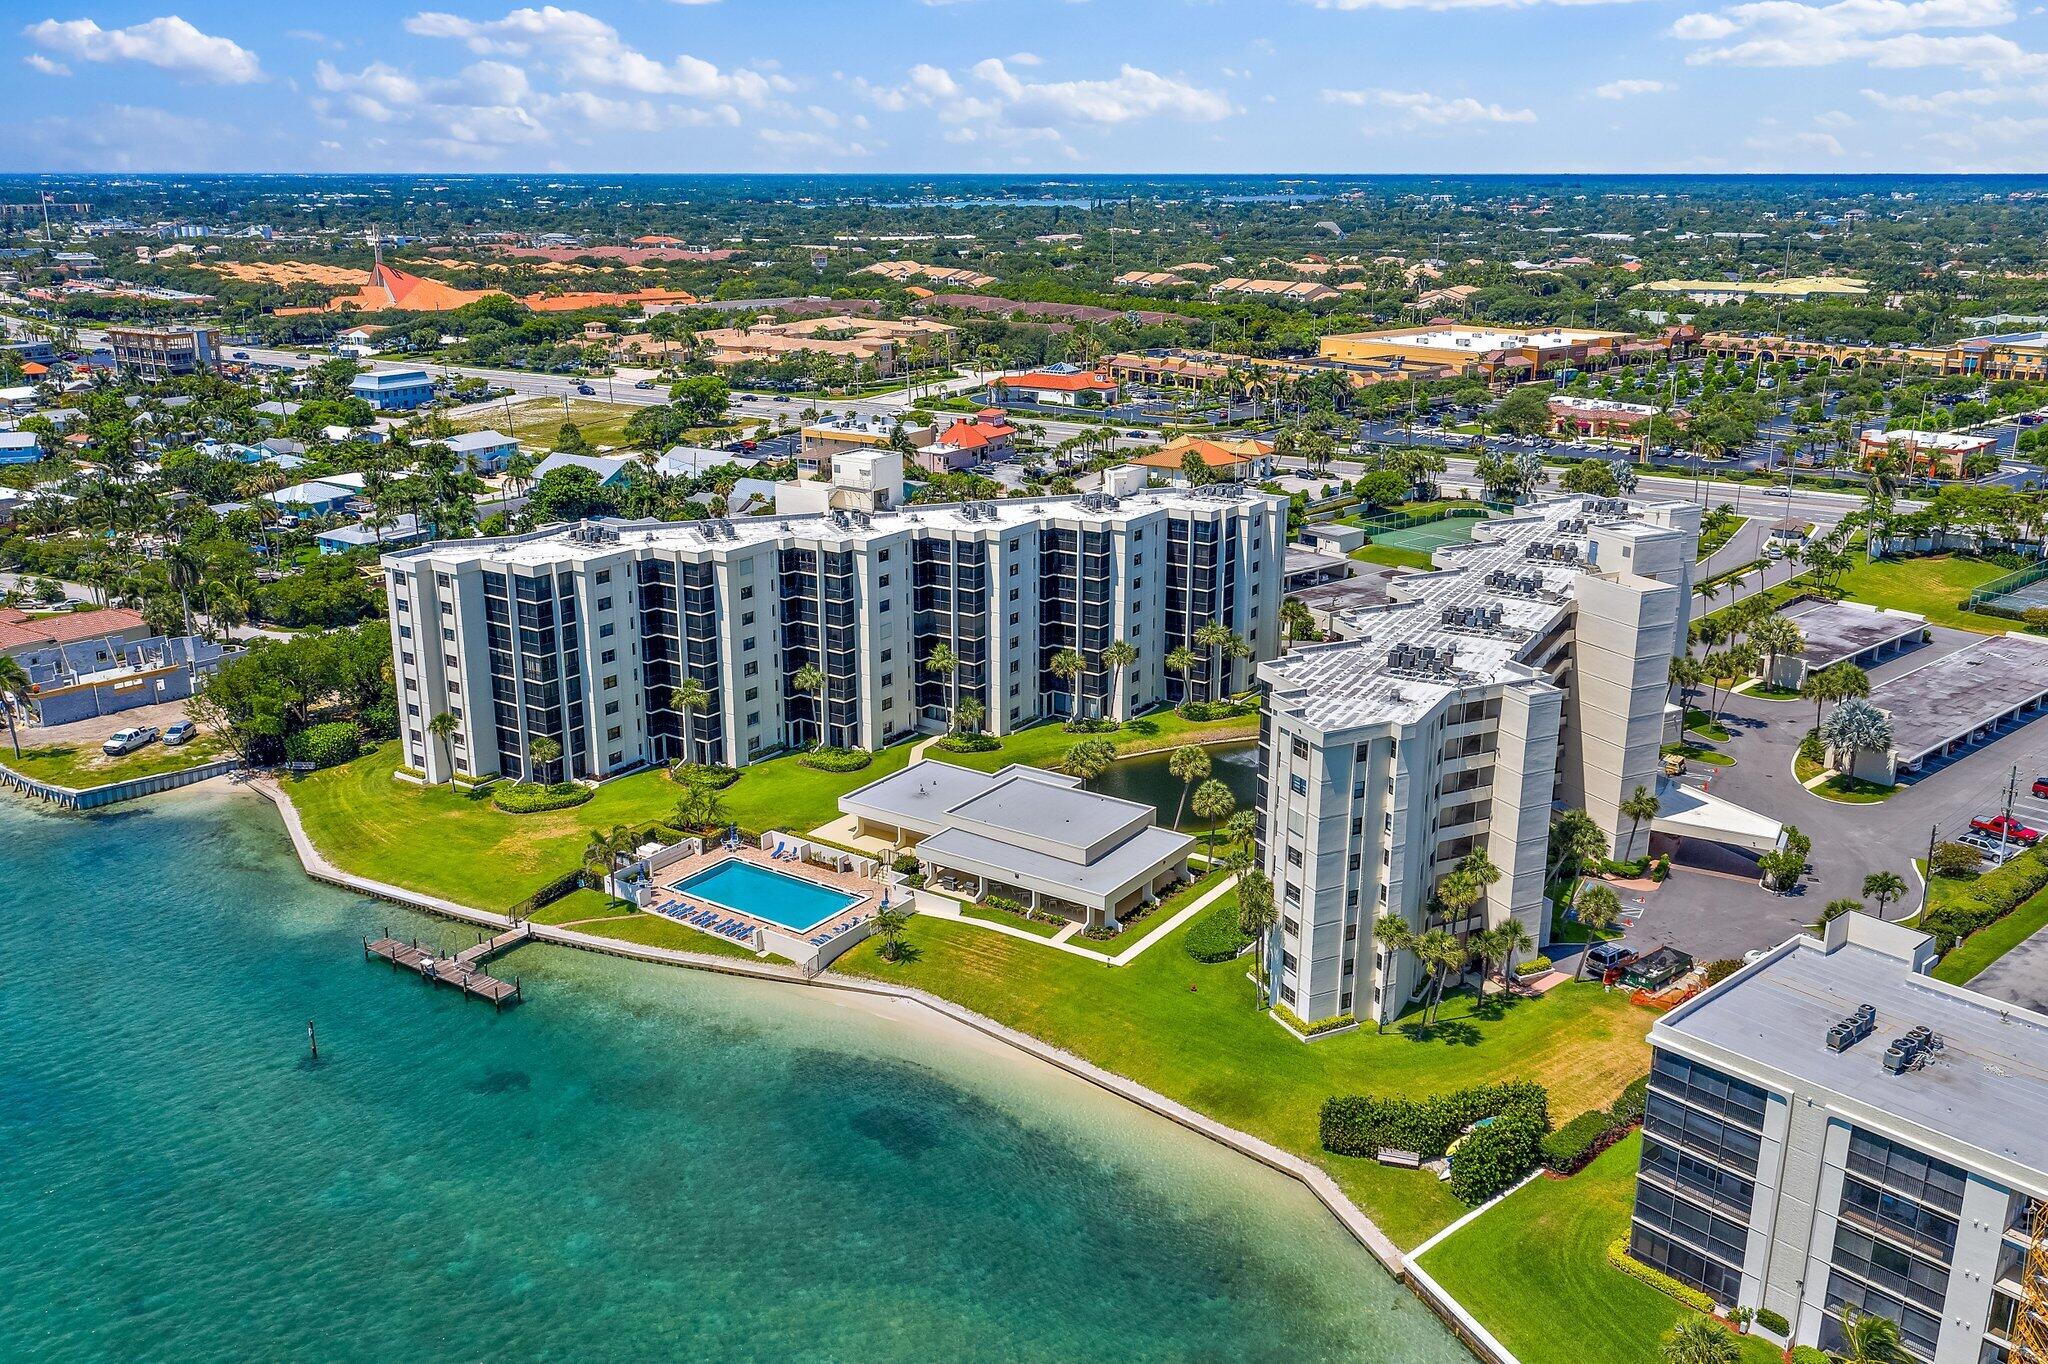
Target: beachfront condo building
(1527,673)
(1831,1129)
(820,627)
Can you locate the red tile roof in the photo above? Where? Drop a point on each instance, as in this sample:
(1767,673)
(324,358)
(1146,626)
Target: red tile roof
(19,630)
(1061,383)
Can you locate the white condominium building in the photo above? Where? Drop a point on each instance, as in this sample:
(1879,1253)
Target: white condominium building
(1832,1129)
(1529,671)
(581,634)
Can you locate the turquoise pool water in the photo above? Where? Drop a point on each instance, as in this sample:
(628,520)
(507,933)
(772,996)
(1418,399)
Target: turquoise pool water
(638,1163)
(791,901)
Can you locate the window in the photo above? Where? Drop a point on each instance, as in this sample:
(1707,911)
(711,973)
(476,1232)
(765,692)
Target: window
(604,603)
(750,669)
(1293,857)
(608,656)
(613,735)
(753,693)
(1300,748)
(604,631)
(1298,784)
(611,683)
(611,708)
(604,575)
(747,592)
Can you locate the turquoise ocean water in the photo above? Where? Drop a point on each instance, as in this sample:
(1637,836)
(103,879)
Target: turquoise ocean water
(638,1163)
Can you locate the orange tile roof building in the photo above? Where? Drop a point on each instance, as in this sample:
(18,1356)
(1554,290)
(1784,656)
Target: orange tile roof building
(1245,461)
(1060,386)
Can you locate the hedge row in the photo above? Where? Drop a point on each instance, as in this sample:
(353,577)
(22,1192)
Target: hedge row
(1493,1157)
(549,893)
(716,776)
(1618,1256)
(327,745)
(837,759)
(1215,710)
(1990,898)
(1571,1146)
(528,799)
(1361,1125)
(1773,1322)
(1308,1029)
(970,743)
(1214,935)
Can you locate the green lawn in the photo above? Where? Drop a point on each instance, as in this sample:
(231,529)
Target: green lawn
(1046,745)
(990,914)
(1849,791)
(461,847)
(1706,726)
(83,765)
(582,904)
(1534,1271)
(1193,1032)
(1935,585)
(1393,556)
(1718,531)
(1152,922)
(1760,692)
(651,930)
(538,423)
(1987,945)
(1698,753)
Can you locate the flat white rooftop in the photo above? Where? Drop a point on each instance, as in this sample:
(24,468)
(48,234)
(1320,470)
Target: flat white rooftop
(1930,440)
(1987,1087)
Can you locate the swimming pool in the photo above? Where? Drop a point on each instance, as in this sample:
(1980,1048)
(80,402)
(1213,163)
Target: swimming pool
(771,896)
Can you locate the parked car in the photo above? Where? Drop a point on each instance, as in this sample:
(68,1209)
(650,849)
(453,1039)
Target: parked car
(2041,788)
(128,740)
(180,732)
(2005,826)
(1603,957)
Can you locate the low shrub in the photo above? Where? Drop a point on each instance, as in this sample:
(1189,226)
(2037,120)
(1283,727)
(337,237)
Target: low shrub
(324,745)
(914,880)
(1627,871)
(1774,1322)
(1360,1125)
(1812,750)
(378,722)
(970,743)
(1807,1354)
(1308,1029)
(905,864)
(1633,1100)
(1532,966)
(1493,1157)
(1004,903)
(1618,1256)
(1089,725)
(1199,711)
(549,893)
(529,799)
(1954,861)
(1214,936)
(837,759)
(715,776)
(1570,1147)
(1718,971)
(1660,870)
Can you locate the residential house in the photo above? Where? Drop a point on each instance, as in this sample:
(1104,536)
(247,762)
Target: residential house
(611,470)
(20,447)
(404,529)
(394,390)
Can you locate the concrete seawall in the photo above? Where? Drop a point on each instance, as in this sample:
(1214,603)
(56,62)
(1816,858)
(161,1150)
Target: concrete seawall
(1316,1180)
(94,797)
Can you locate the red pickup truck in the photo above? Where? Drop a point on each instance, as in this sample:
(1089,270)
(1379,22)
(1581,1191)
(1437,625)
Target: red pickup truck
(2005,826)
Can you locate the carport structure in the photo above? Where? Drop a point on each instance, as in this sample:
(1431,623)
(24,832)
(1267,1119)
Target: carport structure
(1960,699)
(1845,632)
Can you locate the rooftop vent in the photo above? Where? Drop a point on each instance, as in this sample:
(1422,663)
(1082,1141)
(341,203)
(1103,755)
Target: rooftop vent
(1912,1051)
(1853,1029)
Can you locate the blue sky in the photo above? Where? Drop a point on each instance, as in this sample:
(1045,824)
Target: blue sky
(1029,85)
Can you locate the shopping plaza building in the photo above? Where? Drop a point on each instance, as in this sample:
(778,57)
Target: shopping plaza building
(1832,1129)
(581,634)
(1528,672)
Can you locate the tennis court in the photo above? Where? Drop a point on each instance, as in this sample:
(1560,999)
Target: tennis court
(1452,530)
(2013,595)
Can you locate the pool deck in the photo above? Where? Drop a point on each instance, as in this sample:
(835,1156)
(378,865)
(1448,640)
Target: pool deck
(667,881)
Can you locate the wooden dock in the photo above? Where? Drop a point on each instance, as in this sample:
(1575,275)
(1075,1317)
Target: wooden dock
(463,970)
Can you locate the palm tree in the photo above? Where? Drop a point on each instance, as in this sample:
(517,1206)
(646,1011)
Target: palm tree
(1214,639)
(443,727)
(1642,804)
(1868,1338)
(1214,803)
(1089,759)
(1190,763)
(13,678)
(1499,945)
(1182,660)
(810,681)
(1598,906)
(1700,1339)
(545,753)
(1440,953)
(1855,727)
(968,715)
(1296,620)
(1883,887)
(1118,656)
(1067,665)
(1255,919)
(943,662)
(890,922)
(686,700)
(1242,829)
(1575,840)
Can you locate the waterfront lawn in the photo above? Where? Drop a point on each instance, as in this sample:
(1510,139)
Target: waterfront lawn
(652,930)
(1969,957)
(1152,922)
(461,847)
(1192,1032)
(81,766)
(582,904)
(1935,585)
(1534,1271)
(991,914)
(1046,745)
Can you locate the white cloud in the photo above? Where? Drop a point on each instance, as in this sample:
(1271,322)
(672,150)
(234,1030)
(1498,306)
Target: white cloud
(1422,109)
(1629,86)
(583,49)
(1823,144)
(168,43)
(1454,4)
(1891,34)
(997,99)
(36,61)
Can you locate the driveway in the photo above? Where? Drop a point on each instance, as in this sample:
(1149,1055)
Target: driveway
(94,729)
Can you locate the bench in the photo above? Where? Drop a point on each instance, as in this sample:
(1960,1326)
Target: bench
(1400,1160)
